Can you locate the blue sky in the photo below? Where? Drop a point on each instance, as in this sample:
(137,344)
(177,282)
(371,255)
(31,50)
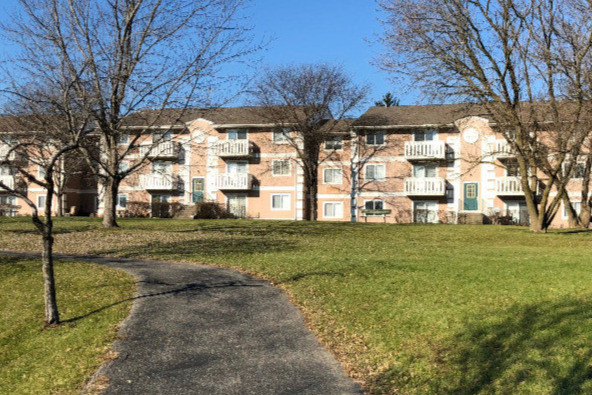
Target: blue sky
(341,32)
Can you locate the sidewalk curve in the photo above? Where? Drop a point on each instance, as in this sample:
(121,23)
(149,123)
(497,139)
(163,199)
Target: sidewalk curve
(197,329)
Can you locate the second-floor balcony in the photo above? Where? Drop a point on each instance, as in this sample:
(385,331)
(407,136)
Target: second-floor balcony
(508,186)
(233,148)
(162,150)
(159,182)
(425,150)
(6,154)
(501,149)
(234,181)
(8,181)
(425,186)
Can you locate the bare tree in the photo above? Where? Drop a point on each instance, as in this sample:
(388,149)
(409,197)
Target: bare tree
(44,130)
(524,62)
(307,103)
(130,55)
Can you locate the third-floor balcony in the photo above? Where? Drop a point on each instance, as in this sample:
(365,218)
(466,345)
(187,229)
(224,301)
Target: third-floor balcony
(234,181)
(508,186)
(501,149)
(158,182)
(425,150)
(425,186)
(8,181)
(162,150)
(233,148)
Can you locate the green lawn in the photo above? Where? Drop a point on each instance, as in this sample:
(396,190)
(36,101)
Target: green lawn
(34,360)
(413,309)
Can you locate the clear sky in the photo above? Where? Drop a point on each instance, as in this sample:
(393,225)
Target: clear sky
(341,32)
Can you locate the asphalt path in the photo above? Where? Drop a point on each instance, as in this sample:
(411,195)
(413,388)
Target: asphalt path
(196,329)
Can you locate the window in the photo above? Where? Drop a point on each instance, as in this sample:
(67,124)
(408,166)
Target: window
(512,169)
(237,167)
(375,138)
(40,172)
(281,136)
(237,134)
(334,143)
(376,204)
(333,210)
(425,212)
(280,167)
(123,166)
(124,138)
(375,173)
(160,167)
(162,136)
(280,201)
(8,200)
(577,206)
(423,171)
(5,170)
(41,202)
(121,200)
(332,176)
(425,135)
(578,169)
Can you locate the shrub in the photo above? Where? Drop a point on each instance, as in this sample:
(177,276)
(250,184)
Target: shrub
(137,210)
(211,210)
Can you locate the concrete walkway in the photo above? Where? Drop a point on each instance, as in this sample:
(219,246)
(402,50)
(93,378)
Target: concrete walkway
(198,329)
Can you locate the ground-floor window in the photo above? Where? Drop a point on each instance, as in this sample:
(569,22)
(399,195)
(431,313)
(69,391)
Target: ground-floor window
(577,206)
(333,210)
(237,205)
(425,212)
(122,200)
(280,201)
(375,204)
(8,200)
(41,202)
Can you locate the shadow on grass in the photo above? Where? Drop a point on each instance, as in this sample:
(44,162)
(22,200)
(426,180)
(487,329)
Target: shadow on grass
(537,348)
(56,231)
(263,228)
(185,288)
(205,248)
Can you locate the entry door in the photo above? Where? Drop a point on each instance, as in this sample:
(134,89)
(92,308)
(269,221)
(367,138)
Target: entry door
(197,189)
(237,205)
(471,196)
(236,167)
(519,212)
(425,212)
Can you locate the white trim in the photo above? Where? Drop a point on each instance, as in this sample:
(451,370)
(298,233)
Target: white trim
(289,188)
(117,206)
(237,129)
(39,169)
(374,179)
(332,202)
(237,161)
(340,182)
(333,196)
(41,207)
(289,200)
(288,136)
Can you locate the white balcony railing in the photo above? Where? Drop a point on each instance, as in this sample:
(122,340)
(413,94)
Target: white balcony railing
(234,181)
(425,150)
(501,149)
(8,181)
(158,182)
(162,150)
(232,148)
(425,186)
(508,186)
(4,153)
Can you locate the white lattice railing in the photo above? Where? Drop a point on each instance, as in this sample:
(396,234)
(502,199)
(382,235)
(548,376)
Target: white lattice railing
(165,149)
(425,150)
(234,181)
(425,186)
(232,148)
(161,182)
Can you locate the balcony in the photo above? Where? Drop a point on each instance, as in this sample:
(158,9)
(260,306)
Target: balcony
(234,181)
(8,181)
(158,182)
(508,186)
(501,149)
(233,148)
(4,153)
(423,150)
(425,186)
(162,150)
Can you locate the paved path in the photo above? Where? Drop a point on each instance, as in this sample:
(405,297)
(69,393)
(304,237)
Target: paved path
(206,330)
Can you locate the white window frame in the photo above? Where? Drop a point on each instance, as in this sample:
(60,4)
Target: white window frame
(374,200)
(373,133)
(237,131)
(334,182)
(581,163)
(375,165)
(39,205)
(9,199)
(564,211)
(126,201)
(288,198)
(40,172)
(273,173)
(237,161)
(335,203)
(285,133)
(331,141)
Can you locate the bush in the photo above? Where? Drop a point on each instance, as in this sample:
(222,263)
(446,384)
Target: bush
(166,210)
(137,210)
(211,210)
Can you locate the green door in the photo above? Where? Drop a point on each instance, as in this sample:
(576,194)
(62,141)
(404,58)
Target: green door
(471,196)
(198,190)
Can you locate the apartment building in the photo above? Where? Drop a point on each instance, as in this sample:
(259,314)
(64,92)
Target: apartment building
(427,164)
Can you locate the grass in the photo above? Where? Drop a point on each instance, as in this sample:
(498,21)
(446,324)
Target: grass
(34,360)
(406,308)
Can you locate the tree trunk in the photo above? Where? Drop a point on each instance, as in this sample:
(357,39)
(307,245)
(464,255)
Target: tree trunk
(60,208)
(572,217)
(585,215)
(310,195)
(110,203)
(52,316)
